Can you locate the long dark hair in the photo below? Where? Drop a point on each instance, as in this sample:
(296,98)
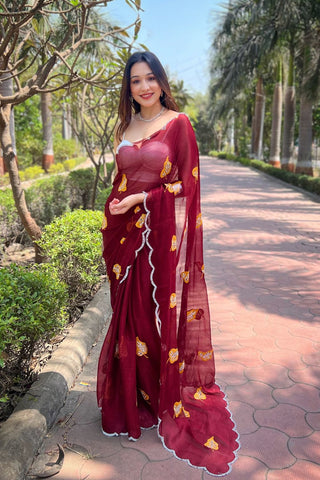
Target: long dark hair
(126,105)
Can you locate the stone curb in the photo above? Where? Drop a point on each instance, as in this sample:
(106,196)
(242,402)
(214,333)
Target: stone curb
(22,434)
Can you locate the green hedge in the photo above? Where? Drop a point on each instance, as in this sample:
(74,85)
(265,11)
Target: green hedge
(306,182)
(72,245)
(32,309)
(10,224)
(48,198)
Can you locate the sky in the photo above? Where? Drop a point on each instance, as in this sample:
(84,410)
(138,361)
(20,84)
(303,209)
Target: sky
(179,32)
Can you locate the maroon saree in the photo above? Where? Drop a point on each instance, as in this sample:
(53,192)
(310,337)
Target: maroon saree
(157,364)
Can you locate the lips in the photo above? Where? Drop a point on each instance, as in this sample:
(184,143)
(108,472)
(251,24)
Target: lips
(146,96)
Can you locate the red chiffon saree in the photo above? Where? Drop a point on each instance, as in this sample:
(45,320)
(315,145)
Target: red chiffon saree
(157,364)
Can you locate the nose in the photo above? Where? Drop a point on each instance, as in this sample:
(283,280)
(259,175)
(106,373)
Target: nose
(145,84)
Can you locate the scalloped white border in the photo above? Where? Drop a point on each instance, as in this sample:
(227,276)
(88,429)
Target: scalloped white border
(145,241)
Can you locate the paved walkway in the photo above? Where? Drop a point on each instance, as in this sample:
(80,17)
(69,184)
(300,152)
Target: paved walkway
(262,248)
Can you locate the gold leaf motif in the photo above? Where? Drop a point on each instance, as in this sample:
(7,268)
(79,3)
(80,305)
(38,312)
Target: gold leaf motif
(199,220)
(141,220)
(173,300)
(137,209)
(202,269)
(141,348)
(181,366)
(185,276)
(177,407)
(187,414)
(173,243)
(199,395)
(122,240)
(205,356)
(192,314)
(117,270)
(145,396)
(104,222)
(123,184)
(166,168)
(195,172)
(173,355)
(174,187)
(212,444)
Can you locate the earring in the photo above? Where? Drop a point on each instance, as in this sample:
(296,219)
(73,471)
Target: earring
(162,94)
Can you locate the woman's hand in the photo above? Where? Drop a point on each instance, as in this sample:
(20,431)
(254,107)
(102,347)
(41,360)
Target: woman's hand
(118,207)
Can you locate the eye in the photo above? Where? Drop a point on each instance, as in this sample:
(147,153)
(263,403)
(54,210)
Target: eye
(134,82)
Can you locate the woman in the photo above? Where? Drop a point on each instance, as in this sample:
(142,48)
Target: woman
(156,366)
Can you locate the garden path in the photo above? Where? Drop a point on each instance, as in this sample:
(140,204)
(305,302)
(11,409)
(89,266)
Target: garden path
(262,249)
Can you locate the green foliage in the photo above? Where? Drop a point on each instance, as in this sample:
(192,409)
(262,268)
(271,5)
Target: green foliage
(72,244)
(56,168)
(10,224)
(102,197)
(28,129)
(32,309)
(48,198)
(65,149)
(80,184)
(69,164)
(31,173)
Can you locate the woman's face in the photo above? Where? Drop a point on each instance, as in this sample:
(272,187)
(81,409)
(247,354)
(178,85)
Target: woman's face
(143,85)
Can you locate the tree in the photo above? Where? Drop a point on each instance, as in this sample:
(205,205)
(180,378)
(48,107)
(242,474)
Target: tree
(251,32)
(56,58)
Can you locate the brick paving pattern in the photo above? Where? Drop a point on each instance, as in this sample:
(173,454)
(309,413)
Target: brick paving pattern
(262,249)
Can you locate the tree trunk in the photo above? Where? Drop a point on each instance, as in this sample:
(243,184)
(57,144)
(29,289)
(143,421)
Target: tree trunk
(287,159)
(7,144)
(9,156)
(258,120)
(46,115)
(276,124)
(66,121)
(304,163)
(6,89)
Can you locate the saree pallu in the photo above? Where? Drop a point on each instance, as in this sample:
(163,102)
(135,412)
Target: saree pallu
(156,365)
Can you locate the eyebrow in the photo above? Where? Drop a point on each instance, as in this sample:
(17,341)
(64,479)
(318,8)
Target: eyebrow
(137,76)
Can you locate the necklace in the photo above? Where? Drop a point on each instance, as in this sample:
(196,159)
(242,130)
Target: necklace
(150,119)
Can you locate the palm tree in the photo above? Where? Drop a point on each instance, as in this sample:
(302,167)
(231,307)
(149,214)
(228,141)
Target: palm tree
(287,157)
(276,121)
(256,29)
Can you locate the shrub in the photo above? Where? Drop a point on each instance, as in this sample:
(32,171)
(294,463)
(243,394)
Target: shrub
(72,244)
(315,185)
(31,173)
(80,185)
(32,309)
(48,198)
(71,163)
(214,153)
(56,168)
(64,149)
(102,197)
(10,223)
(4,180)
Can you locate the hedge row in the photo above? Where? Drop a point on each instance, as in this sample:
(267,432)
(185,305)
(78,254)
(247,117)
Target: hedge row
(308,183)
(48,198)
(37,301)
(35,171)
